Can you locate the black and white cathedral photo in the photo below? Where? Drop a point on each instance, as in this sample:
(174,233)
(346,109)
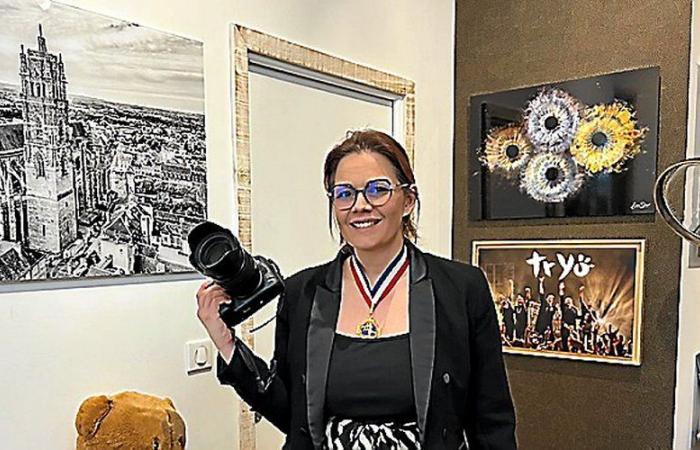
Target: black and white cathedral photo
(102,145)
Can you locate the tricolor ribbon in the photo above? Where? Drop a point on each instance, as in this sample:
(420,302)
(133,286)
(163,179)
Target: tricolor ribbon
(386,281)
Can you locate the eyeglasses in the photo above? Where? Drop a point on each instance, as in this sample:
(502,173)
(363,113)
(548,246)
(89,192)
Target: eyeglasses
(376,193)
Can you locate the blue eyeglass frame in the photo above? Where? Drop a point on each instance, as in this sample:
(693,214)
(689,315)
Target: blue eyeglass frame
(392,188)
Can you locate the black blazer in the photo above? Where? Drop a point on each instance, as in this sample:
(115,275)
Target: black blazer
(459,379)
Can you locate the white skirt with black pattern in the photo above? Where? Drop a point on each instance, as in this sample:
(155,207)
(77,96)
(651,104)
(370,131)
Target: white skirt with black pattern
(348,434)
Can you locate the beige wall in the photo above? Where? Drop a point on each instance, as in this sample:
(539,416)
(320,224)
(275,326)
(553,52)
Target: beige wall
(689,308)
(68,344)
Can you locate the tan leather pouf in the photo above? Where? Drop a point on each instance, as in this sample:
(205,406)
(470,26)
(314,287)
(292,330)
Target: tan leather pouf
(129,420)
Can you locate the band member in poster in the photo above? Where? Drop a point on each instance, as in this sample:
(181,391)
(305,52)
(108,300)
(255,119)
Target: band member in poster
(569,316)
(587,323)
(508,317)
(521,319)
(533,309)
(544,325)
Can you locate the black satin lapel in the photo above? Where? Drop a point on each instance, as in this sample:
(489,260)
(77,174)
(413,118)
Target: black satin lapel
(419,268)
(422,332)
(319,343)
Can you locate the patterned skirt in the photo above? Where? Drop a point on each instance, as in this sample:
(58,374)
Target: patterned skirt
(348,434)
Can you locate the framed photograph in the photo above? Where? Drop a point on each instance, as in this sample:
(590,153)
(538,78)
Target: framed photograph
(578,148)
(574,299)
(102,146)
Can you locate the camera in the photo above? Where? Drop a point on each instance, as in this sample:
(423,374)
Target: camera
(250,281)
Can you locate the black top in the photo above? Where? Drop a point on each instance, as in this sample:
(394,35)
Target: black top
(370,379)
(456,363)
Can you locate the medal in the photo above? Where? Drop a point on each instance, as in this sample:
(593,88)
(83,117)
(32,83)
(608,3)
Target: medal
(369,329)
(372,295)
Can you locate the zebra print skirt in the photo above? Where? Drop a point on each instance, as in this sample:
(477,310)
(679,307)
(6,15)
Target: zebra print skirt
(347,434)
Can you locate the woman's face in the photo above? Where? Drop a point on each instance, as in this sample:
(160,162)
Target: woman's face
(367,227)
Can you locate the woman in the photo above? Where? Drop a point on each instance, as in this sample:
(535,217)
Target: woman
(385,347)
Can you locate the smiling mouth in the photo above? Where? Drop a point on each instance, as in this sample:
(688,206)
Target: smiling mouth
(364,224)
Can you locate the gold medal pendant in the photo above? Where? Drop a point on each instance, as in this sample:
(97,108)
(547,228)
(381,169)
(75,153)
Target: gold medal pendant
(373,295)
(369,329)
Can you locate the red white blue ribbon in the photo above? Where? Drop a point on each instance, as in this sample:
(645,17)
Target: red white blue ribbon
(386,281)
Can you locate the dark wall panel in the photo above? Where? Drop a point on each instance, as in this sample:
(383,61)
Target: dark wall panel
(502,45)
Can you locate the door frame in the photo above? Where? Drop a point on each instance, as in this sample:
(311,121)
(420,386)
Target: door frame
(257,52)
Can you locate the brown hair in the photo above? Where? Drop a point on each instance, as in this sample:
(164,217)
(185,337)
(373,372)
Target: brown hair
(373,141)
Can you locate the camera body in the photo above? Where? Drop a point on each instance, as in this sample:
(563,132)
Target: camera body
(271,285)
(250,281)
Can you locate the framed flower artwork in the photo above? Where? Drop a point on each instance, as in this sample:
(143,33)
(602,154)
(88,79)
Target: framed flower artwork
(576,148)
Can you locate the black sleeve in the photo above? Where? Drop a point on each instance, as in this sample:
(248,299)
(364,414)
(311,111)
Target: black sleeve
(490,417)
(263,388)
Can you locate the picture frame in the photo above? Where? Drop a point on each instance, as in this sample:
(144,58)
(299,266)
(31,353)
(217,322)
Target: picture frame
(585,148)
(256,52)
(573,299)
(102,148)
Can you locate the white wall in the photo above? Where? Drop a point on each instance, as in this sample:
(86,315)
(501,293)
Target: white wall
(62,346)
(689,313)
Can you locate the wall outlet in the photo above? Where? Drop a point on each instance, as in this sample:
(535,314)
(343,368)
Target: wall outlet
(199,356)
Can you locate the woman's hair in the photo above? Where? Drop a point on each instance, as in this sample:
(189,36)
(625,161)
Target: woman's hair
(373,141)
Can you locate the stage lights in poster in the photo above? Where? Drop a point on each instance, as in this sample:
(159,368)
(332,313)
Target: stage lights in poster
(570,299)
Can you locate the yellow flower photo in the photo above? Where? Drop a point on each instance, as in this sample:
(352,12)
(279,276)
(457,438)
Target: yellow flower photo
(607,137)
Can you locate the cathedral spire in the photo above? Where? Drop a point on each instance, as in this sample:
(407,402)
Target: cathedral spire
(41,41)
(49,177)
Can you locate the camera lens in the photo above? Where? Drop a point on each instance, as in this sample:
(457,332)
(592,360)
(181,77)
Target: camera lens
(216,253)
(251,282)
(213,248)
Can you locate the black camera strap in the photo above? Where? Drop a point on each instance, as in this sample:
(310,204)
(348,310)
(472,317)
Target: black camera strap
(263,383)
(262,325)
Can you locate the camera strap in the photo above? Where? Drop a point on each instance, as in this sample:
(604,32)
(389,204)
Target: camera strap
(254,329)
(263,383)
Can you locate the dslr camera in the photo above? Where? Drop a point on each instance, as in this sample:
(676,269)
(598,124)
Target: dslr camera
(250,281)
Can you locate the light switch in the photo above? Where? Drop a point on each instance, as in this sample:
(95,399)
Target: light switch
(199,356)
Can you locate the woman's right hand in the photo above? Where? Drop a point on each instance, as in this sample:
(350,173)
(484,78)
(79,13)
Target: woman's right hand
(209,296)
